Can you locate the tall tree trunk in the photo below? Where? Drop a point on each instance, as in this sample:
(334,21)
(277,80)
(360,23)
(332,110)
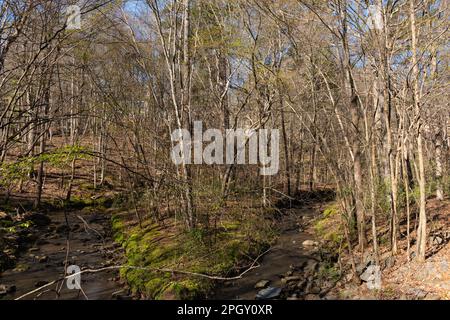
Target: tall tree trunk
(388,109)
(186,101)
(355,116)
(438,150)
(44,130)
(286,152)
(422,230)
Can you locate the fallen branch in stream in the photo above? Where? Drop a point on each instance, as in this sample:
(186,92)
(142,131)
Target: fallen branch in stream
(88,227)
(165,270)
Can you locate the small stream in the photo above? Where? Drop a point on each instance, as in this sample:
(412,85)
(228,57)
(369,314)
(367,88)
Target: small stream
(85,240)
(288,265)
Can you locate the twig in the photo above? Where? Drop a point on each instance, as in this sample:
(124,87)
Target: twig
(58,290)
(89,227)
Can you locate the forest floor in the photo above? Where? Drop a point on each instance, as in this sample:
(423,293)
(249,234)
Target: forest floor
(299,264)
(409,280)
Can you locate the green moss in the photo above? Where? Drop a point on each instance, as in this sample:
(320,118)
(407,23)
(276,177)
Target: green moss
(320,226)
(136,278)
(14,227)
(328,229)
(199,251)
(330,211)
(156,286)
(231,225)
(77,202)
(188,289)
(117,227)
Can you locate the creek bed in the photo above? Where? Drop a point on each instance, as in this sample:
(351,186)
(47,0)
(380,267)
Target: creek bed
(85,243)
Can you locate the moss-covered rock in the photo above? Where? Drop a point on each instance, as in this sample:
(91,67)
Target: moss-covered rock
(154,247)
(328,228)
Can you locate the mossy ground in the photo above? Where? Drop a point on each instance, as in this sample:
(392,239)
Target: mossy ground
(329,229)
(220,251)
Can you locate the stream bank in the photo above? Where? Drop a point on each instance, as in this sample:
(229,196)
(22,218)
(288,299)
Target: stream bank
(294,265)
(293,269)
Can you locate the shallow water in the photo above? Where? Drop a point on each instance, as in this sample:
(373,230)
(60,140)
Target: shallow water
(82,246)
(286,254)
